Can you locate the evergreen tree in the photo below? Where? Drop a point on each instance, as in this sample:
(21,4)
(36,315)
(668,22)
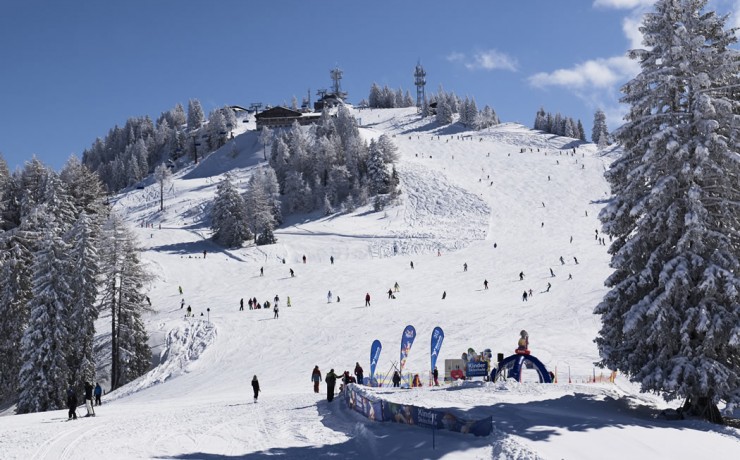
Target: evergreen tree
(83,283)
(195,115)
(228,216)
(600,133)
(16,278)
(581,131)
(44,374)
(122,295)
(376,171)
(671,320)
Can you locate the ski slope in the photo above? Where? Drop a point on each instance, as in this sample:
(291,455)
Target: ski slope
(505,200)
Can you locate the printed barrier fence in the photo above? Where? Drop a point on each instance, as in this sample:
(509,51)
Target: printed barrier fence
(380,410)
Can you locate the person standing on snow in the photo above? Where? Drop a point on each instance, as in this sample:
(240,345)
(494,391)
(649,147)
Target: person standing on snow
(396,379)
(255,387)
(435,374)
(71,403)
(328,297)
(485,284)
(524,296)
(521,276)
(316,378)
(359,373)
(396,287)
(98,392)
(390,293)
(88,400)
(331,382)
(367,299)
(275,309)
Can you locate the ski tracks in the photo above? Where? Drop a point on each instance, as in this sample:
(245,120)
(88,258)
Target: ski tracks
(63,445)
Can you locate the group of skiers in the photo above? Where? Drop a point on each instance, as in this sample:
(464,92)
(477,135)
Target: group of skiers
(90,392)
(332,377)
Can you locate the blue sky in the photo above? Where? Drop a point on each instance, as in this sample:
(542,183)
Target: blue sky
(72,70)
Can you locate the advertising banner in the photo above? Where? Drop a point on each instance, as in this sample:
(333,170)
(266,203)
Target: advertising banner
(407,339)
(476,369)
(433,418)
(374,357)
(438,336)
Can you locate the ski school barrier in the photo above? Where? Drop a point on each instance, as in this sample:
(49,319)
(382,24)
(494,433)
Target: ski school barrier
(380,410)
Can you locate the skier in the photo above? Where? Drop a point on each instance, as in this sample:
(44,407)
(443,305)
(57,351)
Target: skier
(465,267)
(276,312)
(485,284)
(548,287)
(304,258)
(435,374)
(396,379)
(570,277)
(412,264)
(277,299)
(396,287)
(316,378)
(524,296)
(182,303)
(97,392)
(255,387)
(71,403)
(332,260)
(190,311)
(241,304)
(358,373)
(390,293)
(328,297)
(89,400)
(288,301)
(367,299)
(576,260)
(530,293)
(292,274)
(204,253)
(521,276)
(331,382)
(552,273)
(262,271)
(444,294)
(250,303)
(148,300)
(562,261)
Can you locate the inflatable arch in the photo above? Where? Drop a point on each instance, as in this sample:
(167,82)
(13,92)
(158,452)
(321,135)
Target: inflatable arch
(515,362)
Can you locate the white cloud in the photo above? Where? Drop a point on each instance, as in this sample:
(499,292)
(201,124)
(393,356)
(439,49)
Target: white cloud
(622,4)
(631,28)
(485,60)
(596,73)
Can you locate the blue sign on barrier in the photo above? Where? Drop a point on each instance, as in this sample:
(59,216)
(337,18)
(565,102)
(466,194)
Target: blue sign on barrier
(476,369)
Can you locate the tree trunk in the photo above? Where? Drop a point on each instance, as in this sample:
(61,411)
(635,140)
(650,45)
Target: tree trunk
(702,406)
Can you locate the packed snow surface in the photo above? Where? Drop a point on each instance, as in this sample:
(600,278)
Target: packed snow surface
(505,200)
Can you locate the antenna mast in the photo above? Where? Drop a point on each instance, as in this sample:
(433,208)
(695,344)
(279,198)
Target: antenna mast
(420,80)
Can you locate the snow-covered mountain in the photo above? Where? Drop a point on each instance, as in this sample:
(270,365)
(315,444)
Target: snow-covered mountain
(503,201)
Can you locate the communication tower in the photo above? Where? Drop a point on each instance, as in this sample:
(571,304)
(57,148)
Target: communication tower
(420,80)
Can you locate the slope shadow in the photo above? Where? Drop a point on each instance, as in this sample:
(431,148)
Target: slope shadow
(365,440)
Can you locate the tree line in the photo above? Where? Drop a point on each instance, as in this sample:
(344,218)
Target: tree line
(64,260)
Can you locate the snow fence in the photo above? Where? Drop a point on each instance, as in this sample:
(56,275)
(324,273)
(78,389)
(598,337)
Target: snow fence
(379,410)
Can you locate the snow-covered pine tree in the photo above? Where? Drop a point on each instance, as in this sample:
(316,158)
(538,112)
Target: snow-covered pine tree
(195,115)
(83,283)
(259,206)
(671,320)
(581,131)
(378,175)
(540,120)
(228,216)
(600,133)
(122,295)
(16,277)
(216,128)
(46,345)
(83,187)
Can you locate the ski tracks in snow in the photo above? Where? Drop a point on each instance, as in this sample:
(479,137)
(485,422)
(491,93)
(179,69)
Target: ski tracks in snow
(63,445)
